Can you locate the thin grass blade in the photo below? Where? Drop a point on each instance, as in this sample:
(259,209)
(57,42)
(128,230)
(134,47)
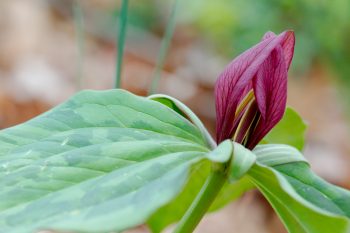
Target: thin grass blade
(164,48)
(121,41)
(78,16)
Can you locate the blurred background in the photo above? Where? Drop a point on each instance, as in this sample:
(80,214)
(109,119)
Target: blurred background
(51,49)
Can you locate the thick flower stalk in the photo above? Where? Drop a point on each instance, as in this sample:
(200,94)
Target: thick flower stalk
(251,92)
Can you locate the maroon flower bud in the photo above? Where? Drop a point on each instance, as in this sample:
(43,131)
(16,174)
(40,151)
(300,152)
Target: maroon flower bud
(251,92)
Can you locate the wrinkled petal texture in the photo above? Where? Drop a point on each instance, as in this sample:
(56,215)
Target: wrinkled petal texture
(260,67)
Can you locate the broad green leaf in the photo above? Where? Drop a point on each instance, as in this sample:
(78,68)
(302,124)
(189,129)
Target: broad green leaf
(185,111)
(304,202)
(173,211)
(290,130)
(176,209)
(277,154)
(103,161)
(316,190)
(231,190)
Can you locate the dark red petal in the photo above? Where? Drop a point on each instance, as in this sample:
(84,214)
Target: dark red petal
(288,48)
(270,88)
(287,45)
(235,82)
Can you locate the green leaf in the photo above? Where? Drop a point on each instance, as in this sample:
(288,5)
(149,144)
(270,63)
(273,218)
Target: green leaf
(231,192)
(186,112)
(103,161)
(304,202)
(222,153)
(290,130)
(176,209)
(173,211)
(242,160)
(316,190)
(277,154)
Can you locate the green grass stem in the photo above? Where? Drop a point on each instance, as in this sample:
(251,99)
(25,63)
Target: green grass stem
(121,41)
(169,31)
(80,42)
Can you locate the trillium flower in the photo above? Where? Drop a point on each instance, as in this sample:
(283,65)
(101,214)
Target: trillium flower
(251,92)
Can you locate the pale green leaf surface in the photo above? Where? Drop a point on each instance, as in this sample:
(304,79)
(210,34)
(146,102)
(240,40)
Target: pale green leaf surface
(222,153)
(277,154)
(103,161)
(304,202)
(185,111)
(176,209)
(290,130)
(316,190)
(231,190)
(243,160)
(173,211)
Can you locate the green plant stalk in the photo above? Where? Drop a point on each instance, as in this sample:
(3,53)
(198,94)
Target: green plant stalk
(79,30)
(121,41)
(164,48)
(203,200)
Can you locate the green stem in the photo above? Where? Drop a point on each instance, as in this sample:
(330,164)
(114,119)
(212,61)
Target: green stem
(169,31)
(203,200)
(121,41)
(79,31)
